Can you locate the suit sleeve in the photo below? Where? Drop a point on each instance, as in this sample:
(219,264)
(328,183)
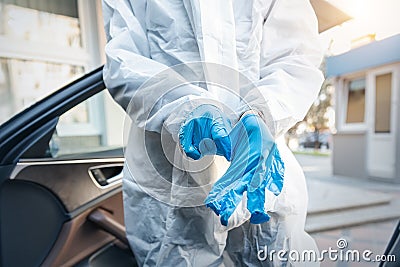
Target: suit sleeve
(290,56)
(138,83)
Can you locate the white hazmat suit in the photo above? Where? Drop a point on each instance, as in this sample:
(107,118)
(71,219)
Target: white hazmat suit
(167,57)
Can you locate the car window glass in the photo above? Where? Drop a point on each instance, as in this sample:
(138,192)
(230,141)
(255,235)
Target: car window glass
(93,128)
(23,82)
(94,125)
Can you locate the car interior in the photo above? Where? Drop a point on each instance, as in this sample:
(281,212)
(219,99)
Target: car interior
(63,210)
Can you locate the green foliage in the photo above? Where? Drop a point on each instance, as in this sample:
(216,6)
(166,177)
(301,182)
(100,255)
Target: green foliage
(316,119)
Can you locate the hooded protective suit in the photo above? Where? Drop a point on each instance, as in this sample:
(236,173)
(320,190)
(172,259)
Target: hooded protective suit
(165,58)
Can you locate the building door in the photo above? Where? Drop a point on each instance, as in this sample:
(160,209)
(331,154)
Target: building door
(382,119)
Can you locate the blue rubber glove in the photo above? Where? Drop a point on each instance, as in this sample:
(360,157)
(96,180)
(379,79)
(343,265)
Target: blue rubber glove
(256,165)
(205,132)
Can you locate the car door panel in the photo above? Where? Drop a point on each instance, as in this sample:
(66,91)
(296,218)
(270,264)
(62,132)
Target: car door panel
(31,219)
(69,180)
(80,237)
(41,229)
(61,211)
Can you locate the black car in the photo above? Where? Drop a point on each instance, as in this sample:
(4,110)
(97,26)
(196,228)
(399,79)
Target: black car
(315,140)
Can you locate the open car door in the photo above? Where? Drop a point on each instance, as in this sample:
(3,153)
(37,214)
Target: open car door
(60,208)
(392,250)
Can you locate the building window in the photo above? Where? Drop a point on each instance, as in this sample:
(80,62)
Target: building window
(23,82)
(355,112)
(21,22)
(383,95)
(38,43)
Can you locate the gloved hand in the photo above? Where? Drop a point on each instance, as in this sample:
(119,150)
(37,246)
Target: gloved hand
(256,165)
(205,132)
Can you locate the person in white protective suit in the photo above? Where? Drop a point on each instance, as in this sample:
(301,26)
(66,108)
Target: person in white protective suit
(166,58)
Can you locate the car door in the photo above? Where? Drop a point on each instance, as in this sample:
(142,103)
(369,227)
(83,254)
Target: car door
(392,253)
(60,199)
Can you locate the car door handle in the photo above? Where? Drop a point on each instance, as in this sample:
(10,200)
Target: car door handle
(106,222)
(106,175)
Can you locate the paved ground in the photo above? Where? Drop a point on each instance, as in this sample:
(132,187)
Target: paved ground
(372,236)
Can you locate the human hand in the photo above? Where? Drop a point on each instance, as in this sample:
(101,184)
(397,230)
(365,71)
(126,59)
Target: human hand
(206,132)
(256,165)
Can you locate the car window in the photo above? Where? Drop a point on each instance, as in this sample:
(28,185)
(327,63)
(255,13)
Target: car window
(93,127)
(23,82)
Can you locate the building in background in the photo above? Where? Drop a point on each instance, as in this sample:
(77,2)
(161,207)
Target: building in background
(367,82)
(45,44)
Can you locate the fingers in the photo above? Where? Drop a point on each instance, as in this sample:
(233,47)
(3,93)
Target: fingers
(186,141)
(276,174)
(256,166)
(259,217)
(228,204)
(192,152)
(273,181)
(219,134)
(224,147)
(194,134)
(224,201)
(231,201)
(255,205)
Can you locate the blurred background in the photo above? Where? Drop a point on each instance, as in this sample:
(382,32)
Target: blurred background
(348,144)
